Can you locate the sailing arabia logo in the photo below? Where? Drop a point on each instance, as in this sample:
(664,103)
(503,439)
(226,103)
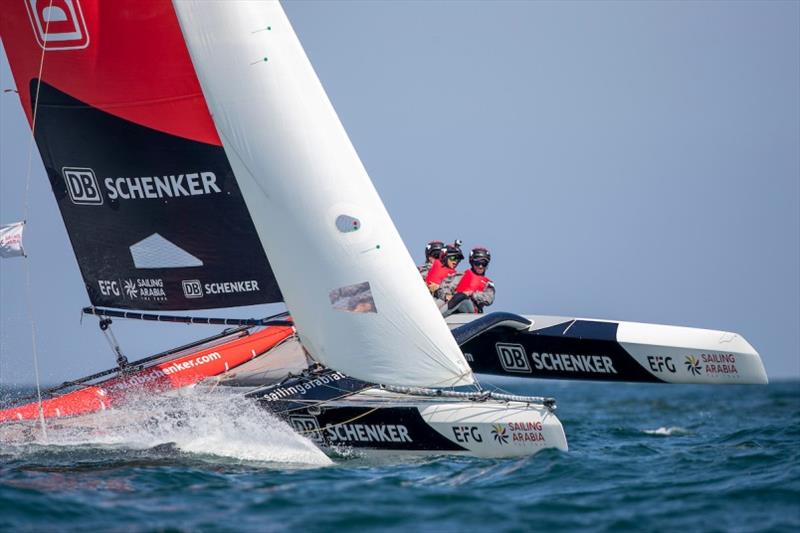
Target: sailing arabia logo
(499,434)
(130,289)
(693,365)
(147,289)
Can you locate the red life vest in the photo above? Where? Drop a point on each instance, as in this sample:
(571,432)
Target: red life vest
(438,272)
(472,282)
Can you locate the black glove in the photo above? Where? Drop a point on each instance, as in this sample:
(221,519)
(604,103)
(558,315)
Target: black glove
(456,299)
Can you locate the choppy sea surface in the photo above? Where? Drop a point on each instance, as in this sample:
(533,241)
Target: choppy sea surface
(642,457)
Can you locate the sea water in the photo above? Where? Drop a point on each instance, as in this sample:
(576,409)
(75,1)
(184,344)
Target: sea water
(642,458)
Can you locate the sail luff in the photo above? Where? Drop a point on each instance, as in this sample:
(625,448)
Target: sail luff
(358,301)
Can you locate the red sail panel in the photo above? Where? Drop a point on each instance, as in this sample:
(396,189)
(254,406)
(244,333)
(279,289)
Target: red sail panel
(125,57)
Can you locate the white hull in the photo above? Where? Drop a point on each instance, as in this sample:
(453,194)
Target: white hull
(377,421)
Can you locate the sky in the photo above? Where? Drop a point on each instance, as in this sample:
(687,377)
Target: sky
(631,161)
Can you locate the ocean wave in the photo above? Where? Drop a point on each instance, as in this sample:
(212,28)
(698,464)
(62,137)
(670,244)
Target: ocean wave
(667,431)
(191,420)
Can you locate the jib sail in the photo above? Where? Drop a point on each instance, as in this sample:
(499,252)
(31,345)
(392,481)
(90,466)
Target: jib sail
(152,208)
(356,297)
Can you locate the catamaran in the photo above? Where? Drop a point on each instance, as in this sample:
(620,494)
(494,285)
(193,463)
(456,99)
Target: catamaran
(204,167)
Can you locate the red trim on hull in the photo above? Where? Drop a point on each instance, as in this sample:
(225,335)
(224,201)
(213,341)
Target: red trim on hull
(177,373)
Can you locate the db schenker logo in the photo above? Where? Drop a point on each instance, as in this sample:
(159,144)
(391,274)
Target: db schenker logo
(58,24)
(82,186)
(192,288)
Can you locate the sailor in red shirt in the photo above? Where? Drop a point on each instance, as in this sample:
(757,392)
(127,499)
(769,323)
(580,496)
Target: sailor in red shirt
(471,291)
(433,251)
(444,269)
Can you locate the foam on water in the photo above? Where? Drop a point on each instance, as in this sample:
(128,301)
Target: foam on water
(667,432)
(194,421)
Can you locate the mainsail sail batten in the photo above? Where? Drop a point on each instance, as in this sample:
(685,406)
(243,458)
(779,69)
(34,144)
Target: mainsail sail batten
(358,301)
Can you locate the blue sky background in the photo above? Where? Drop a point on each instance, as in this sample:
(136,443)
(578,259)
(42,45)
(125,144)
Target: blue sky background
(631,161)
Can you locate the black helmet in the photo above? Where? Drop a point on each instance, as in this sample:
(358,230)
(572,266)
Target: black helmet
(479,255)
(452,250)
(434,249)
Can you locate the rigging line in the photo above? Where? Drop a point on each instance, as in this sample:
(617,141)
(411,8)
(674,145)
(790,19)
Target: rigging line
(31,142)
(33,116)
(35,353)
(500,389)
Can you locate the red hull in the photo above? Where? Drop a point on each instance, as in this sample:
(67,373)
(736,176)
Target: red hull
(174,374)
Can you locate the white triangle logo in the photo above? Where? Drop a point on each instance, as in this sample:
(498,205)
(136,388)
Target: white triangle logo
(157,252)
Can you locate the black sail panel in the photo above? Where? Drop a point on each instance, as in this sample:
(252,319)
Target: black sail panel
(157,221)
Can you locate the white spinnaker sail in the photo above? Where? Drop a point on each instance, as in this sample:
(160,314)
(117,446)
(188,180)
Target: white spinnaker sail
(359,303)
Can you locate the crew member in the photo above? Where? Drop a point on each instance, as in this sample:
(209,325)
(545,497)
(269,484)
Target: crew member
(470,291)
(433,250)
(444,268)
